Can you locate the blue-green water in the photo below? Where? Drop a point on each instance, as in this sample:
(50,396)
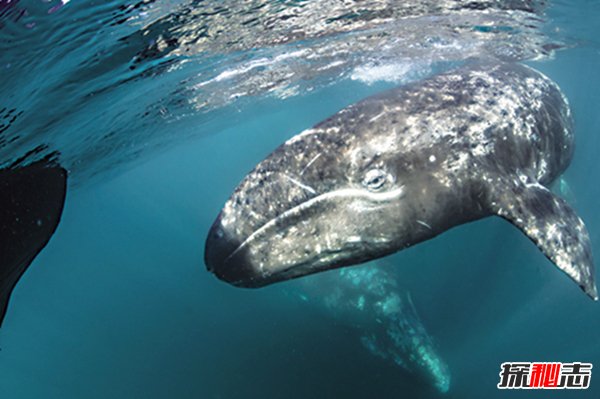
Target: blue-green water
(119,303)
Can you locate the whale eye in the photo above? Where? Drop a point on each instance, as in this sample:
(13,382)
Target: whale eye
(375,179)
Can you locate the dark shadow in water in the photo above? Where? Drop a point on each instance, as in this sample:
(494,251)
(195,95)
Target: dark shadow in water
(31,203)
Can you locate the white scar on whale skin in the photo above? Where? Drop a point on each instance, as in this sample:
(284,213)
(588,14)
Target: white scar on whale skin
(422,223)
(310,163)
(312,131)
(304,186)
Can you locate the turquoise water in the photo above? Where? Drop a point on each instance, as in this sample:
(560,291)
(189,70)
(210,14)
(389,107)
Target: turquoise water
(119,303)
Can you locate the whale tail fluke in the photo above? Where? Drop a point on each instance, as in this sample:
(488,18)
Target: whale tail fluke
(552,225)
(31,203)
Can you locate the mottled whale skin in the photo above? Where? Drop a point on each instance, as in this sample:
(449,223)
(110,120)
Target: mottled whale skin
(402,167)
(370,301)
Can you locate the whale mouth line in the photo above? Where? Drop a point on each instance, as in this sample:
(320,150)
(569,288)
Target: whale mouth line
(290,271)
(397,193)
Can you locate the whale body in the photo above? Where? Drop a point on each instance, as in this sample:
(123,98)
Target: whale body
(403,166)
(371,302)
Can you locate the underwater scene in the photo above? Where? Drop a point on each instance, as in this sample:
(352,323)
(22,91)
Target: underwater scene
(299,199)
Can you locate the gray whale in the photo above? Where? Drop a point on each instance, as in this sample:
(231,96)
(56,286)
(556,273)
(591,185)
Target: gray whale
(371,302)
(402,167)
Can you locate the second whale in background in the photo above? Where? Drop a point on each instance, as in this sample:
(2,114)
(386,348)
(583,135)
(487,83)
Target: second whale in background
(370,300)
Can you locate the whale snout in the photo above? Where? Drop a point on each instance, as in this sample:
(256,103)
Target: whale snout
(331,230)
(223,257)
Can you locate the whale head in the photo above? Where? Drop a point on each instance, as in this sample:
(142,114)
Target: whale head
(338,194)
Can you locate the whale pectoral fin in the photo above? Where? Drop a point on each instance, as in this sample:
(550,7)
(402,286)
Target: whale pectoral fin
(31,203)
(552,225)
